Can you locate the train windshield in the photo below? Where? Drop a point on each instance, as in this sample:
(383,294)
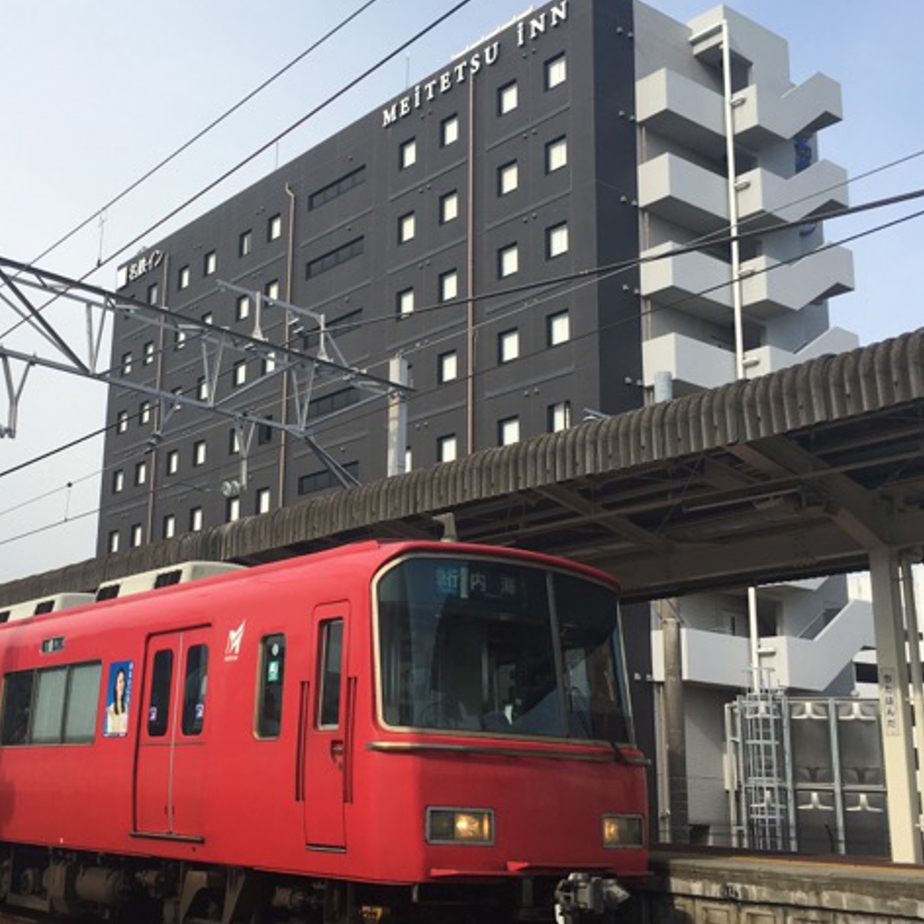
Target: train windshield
(493,646)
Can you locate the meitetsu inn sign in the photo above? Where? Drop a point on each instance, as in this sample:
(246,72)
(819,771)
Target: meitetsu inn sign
(527,30)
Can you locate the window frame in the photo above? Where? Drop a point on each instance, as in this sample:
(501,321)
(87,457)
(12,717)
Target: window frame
(508,98)
(555,71)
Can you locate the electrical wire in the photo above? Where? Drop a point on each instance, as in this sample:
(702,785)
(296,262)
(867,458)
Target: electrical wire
(195,197)
(191,141)
(419,395)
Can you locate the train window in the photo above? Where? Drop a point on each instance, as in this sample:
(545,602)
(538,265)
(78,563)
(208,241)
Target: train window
(51,706)
(269,689)
(329,695)
(80,709)
(17,707)
(48,710)
(159,706)
(194,686)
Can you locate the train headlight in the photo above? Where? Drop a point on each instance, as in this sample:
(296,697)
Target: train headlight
(460,826)
(623,831)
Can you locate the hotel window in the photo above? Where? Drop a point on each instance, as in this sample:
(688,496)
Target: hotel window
(449,130)
(405,302)
(407,153)
(556,240)
(407,228)
(202,389)
(508,260)
(508,346)
(508,431)
(335,257)
(449,286)
(121,421)
(169,530)
(507,98)
(199,452)
(126,364)
(508,178)
(113,544)
(182,278)
(234,442)
(179,339)
(118,481)
(173,461)
(449,207)
(136,536)
(263,501)
(208,318)
(556,71)
(210,263)
(337,188)
(558,328)
(556,154)
(268,364)
(195,519)
(272,289)
(245,243)
(147,356)
(559,416)
(144,412)
(408,459)
(274,227)
(232,509)
(141,473)
(239,373)
(447,448)
(448,366)
(153,293)
(243,307)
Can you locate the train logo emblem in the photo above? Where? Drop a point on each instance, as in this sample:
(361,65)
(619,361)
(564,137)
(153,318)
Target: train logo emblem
(235,637)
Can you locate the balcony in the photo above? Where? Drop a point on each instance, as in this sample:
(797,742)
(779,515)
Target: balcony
(694,283)
(765,198)
(680,192)
(770,288)
(695,364)
(682,111)
(762,360)
(763,118)
(692,363)
(809,664)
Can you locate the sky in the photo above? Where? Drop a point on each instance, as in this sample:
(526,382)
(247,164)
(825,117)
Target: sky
(95,94)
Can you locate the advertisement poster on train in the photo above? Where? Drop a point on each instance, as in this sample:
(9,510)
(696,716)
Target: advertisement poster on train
(118,699)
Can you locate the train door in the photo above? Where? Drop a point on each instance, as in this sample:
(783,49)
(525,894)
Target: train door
(170,767)
(325,730)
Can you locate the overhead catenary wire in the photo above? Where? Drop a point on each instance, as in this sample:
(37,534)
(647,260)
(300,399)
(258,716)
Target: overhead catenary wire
(186,145)
(415,396)
(588,276)
(328,101)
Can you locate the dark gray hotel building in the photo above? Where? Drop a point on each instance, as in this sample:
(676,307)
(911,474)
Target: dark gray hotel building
(547,225)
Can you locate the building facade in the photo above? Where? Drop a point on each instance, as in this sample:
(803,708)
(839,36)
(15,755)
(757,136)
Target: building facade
(592,208)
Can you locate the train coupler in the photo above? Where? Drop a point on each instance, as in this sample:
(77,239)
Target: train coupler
(582,896)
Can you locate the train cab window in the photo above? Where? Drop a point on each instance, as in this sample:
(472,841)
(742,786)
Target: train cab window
(194,687)
(269,689)
(329,694)
(159,706)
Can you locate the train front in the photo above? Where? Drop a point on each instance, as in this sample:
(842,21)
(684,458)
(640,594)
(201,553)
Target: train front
(503,761)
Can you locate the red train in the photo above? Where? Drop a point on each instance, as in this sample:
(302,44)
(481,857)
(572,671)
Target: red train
(371,732)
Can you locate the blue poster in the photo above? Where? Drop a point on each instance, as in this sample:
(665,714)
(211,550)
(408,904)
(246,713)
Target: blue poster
(118,698)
